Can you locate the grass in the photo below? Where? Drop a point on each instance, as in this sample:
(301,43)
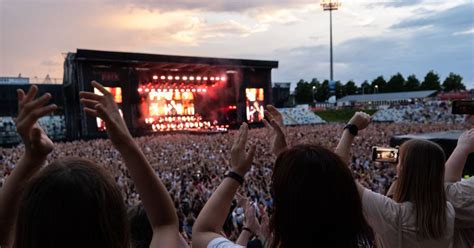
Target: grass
(341,115)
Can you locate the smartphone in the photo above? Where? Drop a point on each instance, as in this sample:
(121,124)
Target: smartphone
(464,107)
(385,154)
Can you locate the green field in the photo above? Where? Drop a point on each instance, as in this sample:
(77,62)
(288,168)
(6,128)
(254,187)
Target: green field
(342,115)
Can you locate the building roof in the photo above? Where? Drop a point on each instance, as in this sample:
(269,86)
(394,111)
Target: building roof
(94,55)
(395,96)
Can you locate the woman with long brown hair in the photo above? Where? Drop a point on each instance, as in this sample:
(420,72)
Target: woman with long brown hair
(315,199)
(73,202)
(419,214)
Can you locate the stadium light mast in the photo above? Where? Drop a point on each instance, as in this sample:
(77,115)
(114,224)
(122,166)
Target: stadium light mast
(330,5)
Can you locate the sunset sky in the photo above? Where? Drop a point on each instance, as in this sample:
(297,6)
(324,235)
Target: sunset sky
(372,37)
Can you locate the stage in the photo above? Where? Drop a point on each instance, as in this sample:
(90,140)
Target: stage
(165,93)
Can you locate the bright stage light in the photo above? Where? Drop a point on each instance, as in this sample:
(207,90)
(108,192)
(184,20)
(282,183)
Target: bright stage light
(185,78)
(223,79)
(147,90)
(162,77)
(198,78)
(205,79)
(176,78)
(155,77)
(170,77)
(191,78)
(140,89)
(212,78)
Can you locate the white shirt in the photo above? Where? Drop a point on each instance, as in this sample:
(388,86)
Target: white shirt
(461,195)
(386,217)
(222,242)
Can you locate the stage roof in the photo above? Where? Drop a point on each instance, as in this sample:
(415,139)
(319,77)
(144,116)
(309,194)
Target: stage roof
(395,96)
(142,59)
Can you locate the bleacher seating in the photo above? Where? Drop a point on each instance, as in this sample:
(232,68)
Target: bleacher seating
(431,112)
(300,116)
(54,126)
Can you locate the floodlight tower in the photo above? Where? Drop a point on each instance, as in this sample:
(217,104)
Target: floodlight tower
(330,5)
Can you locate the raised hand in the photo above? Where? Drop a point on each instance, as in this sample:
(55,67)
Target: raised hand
(104,107)
(251,220)
(276,130)
(37,143)
(361,120)
(264,231)
(241,161)
(466,141)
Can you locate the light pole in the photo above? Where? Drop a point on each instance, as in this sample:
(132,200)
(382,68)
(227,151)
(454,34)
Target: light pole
(314,100)
(376,89)
(330,5)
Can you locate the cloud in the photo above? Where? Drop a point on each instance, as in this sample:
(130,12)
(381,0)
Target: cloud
(459,17)
(213,5)
(441,41)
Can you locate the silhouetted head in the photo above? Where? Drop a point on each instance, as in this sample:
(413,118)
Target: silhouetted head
(421,182)
(72,203)
(140,228)
(315,200)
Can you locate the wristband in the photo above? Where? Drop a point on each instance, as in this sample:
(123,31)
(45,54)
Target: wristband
(248,230)
(353,129)
(234,176)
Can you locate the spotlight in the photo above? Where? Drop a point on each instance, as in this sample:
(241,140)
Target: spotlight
(223,79)
(191,78)
(205,78)
(198,78)
(170,77)
(185,78)
(155,77)
(162,77)
(176,78)
(212,78)
(140,89)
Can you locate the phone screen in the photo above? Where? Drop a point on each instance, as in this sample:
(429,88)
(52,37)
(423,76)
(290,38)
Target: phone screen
(465,107)
(385,154)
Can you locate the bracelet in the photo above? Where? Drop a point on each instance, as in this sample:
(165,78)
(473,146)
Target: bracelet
(235,176)
(248,230)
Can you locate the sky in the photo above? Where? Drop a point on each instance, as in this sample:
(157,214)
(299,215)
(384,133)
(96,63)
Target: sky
(371,37)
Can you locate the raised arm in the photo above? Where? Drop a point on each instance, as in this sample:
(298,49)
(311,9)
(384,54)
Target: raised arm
(360,120)
(37,148)
(155,198)
(209,223)
(276,130)
(457,160)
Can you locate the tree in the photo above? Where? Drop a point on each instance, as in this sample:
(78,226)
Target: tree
(322,93)
(395,84)
(350,88)
(365,88)
(431,82)
(380,83)
(340,90)
(303,92)
(412,83)
(453,83)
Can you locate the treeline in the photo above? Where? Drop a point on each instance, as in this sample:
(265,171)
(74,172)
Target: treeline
(308,92)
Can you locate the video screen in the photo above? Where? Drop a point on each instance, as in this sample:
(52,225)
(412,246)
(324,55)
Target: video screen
(255,104)
(168,103)
(117,93)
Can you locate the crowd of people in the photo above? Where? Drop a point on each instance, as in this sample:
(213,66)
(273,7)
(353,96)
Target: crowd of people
(191,167)
(421,112)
